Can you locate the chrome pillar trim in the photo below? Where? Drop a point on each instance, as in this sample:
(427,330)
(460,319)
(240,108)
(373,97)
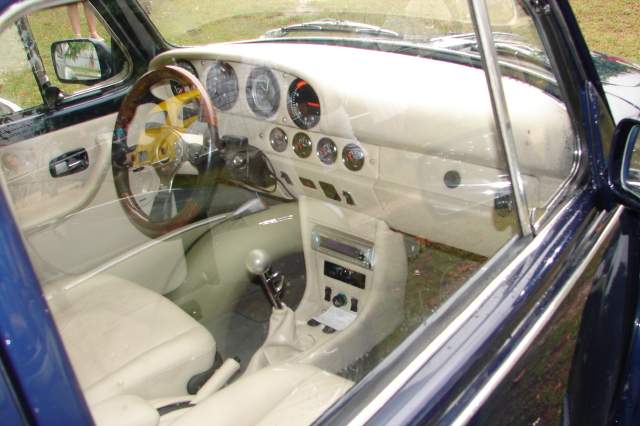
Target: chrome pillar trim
(509,363)
(484,35)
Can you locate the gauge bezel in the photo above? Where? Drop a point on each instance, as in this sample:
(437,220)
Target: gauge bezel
(308,149)
(354,167)
(212,93)
(334,151)
(272,142)
(253,76)
(298,116)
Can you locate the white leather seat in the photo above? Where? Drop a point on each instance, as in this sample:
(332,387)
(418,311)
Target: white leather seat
(124,339)
(289,394)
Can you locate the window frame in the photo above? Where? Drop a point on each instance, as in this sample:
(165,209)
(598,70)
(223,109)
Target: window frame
(86,94)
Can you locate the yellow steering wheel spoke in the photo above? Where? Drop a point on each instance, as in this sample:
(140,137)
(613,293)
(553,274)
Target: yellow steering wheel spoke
(161,148)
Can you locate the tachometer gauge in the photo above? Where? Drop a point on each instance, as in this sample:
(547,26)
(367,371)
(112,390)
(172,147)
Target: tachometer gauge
(278,139)
(353,157)
(302,145)
(222,85)
(327,151)
(178,88)
(263,92)
(303,104)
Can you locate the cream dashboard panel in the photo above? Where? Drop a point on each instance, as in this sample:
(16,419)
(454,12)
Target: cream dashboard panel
(418,121)
(412,103)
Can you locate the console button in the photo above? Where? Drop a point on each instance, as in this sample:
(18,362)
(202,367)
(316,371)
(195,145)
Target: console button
(313,323)
(307,182)
(327,294)
(286,178)
(347,196)
(339,300)
(354,304)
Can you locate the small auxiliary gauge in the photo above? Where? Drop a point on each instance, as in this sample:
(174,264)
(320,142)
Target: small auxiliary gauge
(353,157)
(278,139)
(327,151)
(302,145)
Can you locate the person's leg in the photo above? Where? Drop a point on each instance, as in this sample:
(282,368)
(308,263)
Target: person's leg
(91,21)
(74,18)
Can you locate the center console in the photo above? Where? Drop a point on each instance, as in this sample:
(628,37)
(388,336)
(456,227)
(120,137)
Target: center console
(356,276)
(346,263)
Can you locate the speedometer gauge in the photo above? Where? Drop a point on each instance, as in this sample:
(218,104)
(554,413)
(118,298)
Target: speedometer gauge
(222,85)
(263,92)
(302,145)
(303,104)
(327,151)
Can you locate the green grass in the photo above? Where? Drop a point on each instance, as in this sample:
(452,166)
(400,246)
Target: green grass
(610,26)
(16,80)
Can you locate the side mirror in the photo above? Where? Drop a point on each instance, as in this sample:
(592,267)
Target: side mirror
(625,162)
(81,60)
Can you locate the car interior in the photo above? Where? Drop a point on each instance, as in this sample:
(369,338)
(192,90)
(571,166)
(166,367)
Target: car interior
(263,222)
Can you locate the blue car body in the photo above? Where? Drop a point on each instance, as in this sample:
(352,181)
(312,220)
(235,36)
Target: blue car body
(583,269)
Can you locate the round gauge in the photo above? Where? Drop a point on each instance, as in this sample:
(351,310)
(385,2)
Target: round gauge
(353,157)
(176,87)
(263,92)
(278,139)
(222,85)
(327,151)
(302,145)
(303,104)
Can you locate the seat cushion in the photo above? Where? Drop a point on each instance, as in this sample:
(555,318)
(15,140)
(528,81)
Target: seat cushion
(124,339)
(289,394)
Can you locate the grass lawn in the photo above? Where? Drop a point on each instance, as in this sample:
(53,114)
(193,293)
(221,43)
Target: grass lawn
(610,26)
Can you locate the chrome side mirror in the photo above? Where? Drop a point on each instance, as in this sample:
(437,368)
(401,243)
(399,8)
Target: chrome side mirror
(83,61)
(624,163)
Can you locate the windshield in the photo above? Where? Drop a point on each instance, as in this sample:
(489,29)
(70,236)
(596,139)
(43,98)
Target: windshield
(184,22)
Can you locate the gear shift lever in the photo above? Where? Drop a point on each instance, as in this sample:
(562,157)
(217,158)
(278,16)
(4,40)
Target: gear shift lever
(258,263)
(281,342)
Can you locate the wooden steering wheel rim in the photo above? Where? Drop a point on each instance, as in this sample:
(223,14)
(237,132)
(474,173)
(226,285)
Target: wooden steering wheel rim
(198,202)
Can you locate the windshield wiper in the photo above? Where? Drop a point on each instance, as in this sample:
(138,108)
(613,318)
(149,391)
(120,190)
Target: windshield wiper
(507,46)
(333,25)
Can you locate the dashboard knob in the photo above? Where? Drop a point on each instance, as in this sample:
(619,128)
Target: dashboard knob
(238,161)
(339,300)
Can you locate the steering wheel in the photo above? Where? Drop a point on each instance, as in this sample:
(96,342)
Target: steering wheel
(165,148)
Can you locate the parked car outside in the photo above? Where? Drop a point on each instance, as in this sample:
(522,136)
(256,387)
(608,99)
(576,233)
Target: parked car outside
(316,212)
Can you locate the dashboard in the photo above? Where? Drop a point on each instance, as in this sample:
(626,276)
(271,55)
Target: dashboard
(404,139)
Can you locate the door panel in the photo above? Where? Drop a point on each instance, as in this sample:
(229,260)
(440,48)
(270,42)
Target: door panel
(37,196)
(568,371)
(57,214)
